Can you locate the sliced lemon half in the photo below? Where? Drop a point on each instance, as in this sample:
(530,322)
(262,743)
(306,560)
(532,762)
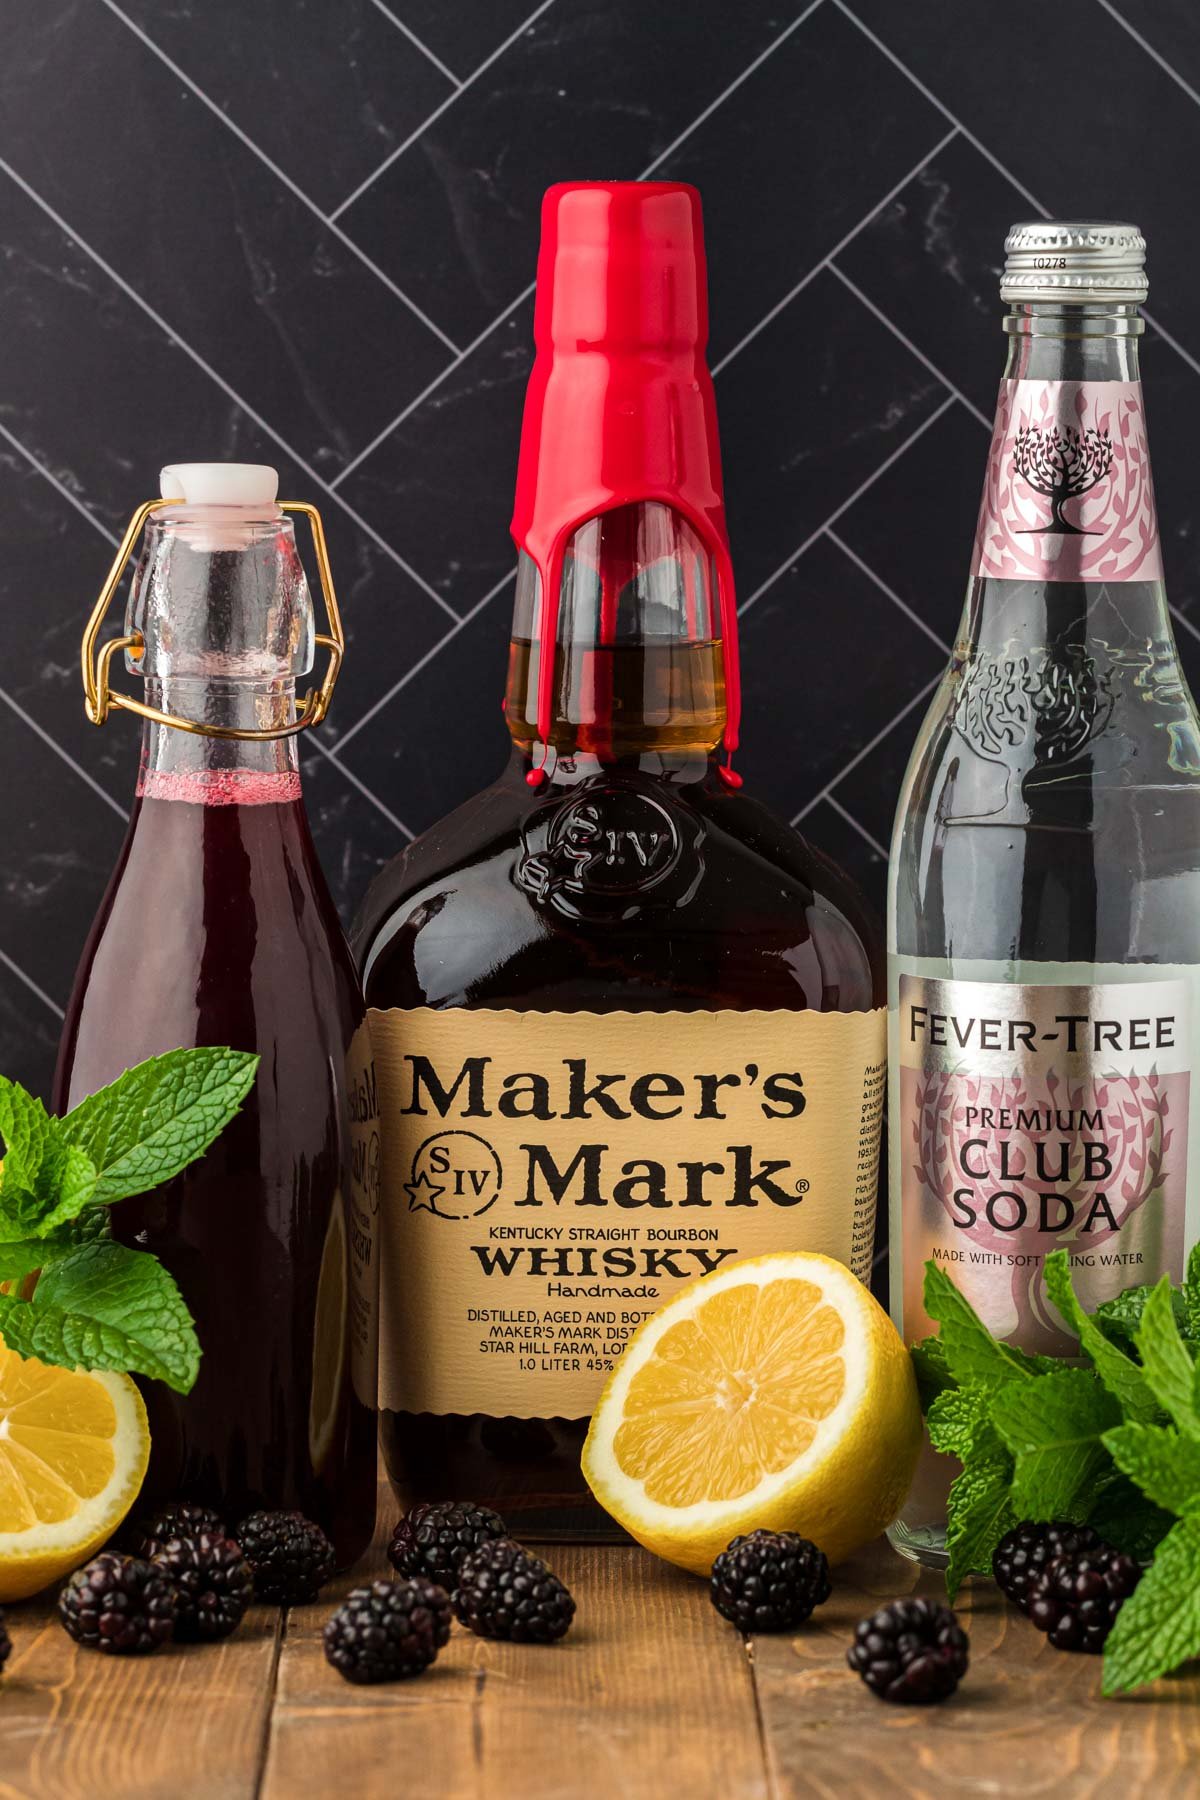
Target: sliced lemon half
(73,1453)
(776,1393)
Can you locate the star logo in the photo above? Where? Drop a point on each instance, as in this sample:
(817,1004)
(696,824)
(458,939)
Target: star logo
(423,1191)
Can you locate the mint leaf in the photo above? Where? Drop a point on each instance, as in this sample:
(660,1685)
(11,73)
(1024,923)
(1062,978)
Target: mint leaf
(971,1352)
(1170,1372)
(1165,1465)
(158,1117)
(1158,1627)
(977,1516)
(106,1307)
(1191,1294)
(959,1425)
(45,1180)
(1126,1519)
(1119,1373)
(1053,1426)
(1121,1316)
(23,1256)
(29,1134)
(931,1370)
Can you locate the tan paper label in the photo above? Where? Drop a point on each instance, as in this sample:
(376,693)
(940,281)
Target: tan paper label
(550,1179)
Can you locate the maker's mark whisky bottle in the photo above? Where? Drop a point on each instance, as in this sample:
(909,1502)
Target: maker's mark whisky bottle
(1044,913)
(627,1023)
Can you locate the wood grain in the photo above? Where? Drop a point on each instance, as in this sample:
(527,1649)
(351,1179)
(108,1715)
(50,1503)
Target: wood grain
(1028,1721)
(650,1697)
(189,1721)
(650,1694)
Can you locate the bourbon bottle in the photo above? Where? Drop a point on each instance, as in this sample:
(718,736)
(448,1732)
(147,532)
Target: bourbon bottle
(627,1024)
(1044,913)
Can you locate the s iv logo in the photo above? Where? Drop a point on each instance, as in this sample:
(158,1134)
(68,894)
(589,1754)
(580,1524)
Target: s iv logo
(455,1174)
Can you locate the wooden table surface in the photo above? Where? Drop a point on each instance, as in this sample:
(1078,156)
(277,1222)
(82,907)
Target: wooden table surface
(651,1695)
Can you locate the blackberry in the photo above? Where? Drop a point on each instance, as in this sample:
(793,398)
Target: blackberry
(119,1604)
(291,1558)
(212,1581)
(769,1581)
(433,1539)
(1024,1552)
(180,1518)
(1076,1598)
(504,1592)
(5,1644)
(913,1652)
(388,1630)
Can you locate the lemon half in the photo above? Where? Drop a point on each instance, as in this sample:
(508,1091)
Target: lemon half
(775,1392)
(73,1453)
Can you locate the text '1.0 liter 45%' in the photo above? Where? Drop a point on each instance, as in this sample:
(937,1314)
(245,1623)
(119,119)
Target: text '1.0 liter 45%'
(1045,891)
(627,1024)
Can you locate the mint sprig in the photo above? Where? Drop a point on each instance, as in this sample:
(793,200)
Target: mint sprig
(1114,1442)
(96,1303)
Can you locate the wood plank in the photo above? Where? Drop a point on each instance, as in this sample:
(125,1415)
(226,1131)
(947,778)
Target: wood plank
(188,1721)
(650,1694)
(1027,1720)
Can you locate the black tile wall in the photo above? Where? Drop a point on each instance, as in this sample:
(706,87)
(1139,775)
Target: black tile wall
(304,232)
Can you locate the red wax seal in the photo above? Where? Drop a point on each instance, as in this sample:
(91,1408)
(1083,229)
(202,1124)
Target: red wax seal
(620,405)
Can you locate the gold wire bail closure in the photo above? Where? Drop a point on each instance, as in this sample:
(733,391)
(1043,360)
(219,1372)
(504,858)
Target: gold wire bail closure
(99,697)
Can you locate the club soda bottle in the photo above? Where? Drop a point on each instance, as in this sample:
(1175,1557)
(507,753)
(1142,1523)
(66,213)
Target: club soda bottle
(1044,909)
(218,928)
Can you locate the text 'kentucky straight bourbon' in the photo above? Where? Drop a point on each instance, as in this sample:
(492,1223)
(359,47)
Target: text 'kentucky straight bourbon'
(627,1024)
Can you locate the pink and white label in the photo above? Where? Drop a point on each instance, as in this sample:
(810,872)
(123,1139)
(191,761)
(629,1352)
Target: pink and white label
(1039,1118)
(1068,494)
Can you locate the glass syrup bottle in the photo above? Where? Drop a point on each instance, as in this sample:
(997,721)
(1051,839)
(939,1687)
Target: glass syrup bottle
(218,928)
(1044,910)
(626,1022)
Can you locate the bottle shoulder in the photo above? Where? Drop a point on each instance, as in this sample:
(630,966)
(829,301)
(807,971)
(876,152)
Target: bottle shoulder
(621,890)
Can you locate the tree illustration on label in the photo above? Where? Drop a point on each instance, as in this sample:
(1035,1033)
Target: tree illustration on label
(1079,449)
(1074,1166)
(1063,464)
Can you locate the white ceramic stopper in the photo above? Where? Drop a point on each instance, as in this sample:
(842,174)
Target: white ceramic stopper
(219,484)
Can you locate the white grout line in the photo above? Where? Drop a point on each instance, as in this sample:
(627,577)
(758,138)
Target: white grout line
(61,486)
(910,346)
(1183,620)
(883,587)
(1186,355)
(32,985)
(942,107)
(66,756)
(226,388)
(731,89)
(428,657)
(512,306)
(827,790)
(834,516)
(850,819)
(1151,52)
(437,112)
(431,387)
(367,793)
(412,37)
(281,175)
(826,261)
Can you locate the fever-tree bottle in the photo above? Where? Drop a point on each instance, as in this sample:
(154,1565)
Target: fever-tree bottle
(626,1023)
(1045,891)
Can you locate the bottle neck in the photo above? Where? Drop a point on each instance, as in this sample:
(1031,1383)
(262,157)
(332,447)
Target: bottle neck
(192,766)
(639,666)
(224,621)
(1073,343)
(1067,547)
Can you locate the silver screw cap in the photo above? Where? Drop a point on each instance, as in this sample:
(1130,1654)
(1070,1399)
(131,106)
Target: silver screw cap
(1072,261)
